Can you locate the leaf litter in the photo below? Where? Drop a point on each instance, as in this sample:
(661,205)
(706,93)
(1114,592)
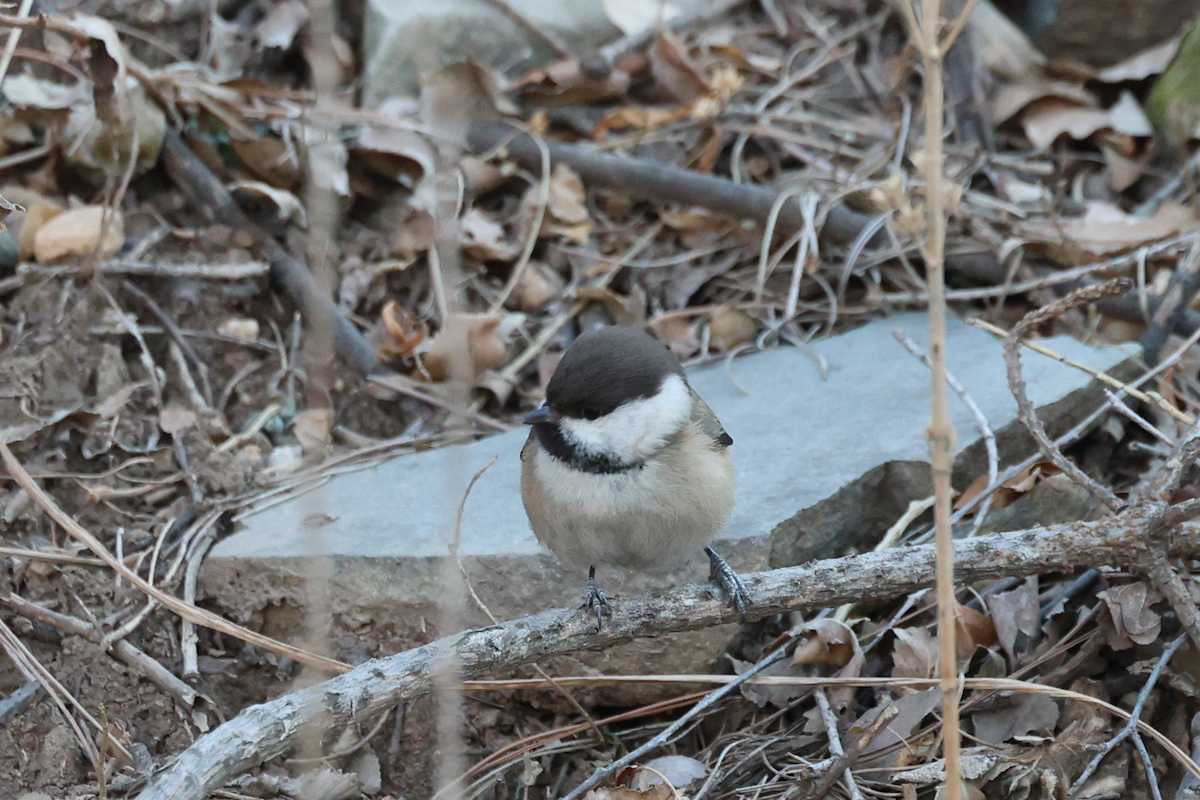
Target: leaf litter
(138,444)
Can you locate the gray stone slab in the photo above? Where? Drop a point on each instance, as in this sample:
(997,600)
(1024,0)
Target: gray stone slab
(823,465)
(404,38)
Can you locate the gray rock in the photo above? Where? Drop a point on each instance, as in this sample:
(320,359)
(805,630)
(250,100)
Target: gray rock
(824,466)
(403,39)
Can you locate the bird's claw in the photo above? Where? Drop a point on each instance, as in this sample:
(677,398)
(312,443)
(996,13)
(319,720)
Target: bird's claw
(595,601)
(723,576)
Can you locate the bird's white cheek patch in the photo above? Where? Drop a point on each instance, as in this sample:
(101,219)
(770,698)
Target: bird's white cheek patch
(638,429)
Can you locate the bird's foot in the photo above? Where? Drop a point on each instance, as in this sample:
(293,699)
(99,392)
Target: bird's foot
(723,575)
(595,600)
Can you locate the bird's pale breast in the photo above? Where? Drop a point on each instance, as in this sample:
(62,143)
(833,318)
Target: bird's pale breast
(644,518)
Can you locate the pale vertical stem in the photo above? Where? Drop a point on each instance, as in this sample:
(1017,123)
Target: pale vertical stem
(941,431)
(322,205)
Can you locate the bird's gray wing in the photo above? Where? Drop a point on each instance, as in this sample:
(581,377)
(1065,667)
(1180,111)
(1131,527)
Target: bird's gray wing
(708,422)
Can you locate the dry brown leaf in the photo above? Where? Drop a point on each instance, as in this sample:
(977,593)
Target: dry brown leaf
(638,118)
(245,329)
(288,207)
(79,232)
(402,332)
(460,94)
(915,654)
(567,200)
(396,154)
(1140,66)
(1123,171)
(679,335)
(1134,621)
(675,72)
(1013,98)
(731,328)
(485,239)
(1047,119)
(696,219)
(475,335)
(660,791)
(974,630)
(37,214)
(313,429)
(176,418)
(912,709)
(1021,715)
(1016,614)
(627,309)
(1003,48)
(271,160)
(538,286)
(1012,488)
(764,695)
(1105,229)
(830,642)
(571,82)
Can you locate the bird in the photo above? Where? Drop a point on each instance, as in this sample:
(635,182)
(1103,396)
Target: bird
(625,465)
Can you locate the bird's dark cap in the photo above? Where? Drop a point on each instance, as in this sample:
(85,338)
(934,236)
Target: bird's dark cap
(607,367)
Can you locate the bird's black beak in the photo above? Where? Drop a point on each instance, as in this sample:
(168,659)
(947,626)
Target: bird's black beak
(542,415)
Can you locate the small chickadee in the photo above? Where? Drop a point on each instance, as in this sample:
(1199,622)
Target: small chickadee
(625,464)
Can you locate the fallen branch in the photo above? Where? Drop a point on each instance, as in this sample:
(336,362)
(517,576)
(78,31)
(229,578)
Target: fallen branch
(646,179)
(317,307)
(652,180)
(269,730)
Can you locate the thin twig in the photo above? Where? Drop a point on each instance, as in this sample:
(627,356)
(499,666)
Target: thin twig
(155,672)
(1016,382)
(197,615)
(535,230)
(941,429)
(845,759)
(1131,727)
(664,736)
(1103,377)
(841,765)
(985,429)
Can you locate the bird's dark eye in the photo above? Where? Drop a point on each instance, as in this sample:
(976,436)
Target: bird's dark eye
(591,412)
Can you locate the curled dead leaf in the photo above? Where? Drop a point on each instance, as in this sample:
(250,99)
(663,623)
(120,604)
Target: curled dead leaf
(176,418)
(402,332)
(313,429)
(1133,619)
(245,329)
(475,338)
(1105,229)
(674,70)
(567,203)
(79,232)
(538,286)
(287,206)
(731,328)
(829,642)
(679,335)
(915,654)
(638,118)
(974,630)
(485,239)
(271,160)
(38,213)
